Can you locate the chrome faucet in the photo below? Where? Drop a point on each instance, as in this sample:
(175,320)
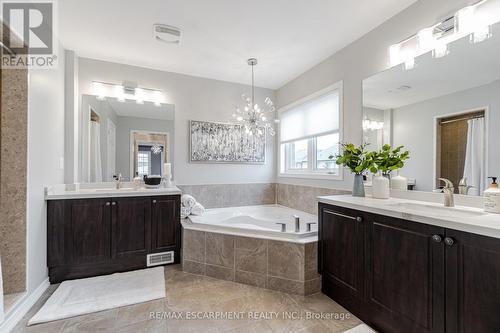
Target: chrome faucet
(297,223)
(448,191)
(119,180)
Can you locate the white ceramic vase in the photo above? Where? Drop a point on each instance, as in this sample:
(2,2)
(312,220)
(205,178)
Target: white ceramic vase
(399,183)
(380,187)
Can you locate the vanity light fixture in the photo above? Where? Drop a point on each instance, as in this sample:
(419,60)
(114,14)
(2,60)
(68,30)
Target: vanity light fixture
(126,91)
(474,21)
(372,125)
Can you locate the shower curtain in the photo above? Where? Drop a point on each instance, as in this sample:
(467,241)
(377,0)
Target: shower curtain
(95,168)
(474,157)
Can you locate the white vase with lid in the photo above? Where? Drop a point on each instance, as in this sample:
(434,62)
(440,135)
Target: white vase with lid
(399,182)
(380,187)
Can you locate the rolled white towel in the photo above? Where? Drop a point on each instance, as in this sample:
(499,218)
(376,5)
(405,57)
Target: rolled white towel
(198,209)
(185,212)
(188,201)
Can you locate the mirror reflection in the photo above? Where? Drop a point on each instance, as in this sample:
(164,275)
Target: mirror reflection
(125,138)
(444,112)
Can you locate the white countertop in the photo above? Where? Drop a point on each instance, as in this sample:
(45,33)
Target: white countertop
(59,192)
(462,218)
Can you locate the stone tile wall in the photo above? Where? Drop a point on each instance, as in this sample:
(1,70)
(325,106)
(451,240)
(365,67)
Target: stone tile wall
(303,197)
(276,265)
(13,171)
(232,195)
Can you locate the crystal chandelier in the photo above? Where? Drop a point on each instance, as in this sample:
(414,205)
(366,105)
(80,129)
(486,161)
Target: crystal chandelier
(252,116)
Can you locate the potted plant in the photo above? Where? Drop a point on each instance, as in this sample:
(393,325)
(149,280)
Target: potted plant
(358,160)
(384,162)
(388,160)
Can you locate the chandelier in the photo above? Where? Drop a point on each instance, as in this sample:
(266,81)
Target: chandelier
(254,117)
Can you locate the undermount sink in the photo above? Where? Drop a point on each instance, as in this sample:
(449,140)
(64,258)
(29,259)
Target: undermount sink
(438,210)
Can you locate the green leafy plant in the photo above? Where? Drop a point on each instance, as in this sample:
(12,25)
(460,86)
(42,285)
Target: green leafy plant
(357,159)
(388,160)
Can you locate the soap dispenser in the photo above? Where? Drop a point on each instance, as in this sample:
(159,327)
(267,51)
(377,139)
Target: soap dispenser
(492,197)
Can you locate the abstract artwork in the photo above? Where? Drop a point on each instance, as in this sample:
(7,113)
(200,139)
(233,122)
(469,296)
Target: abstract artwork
(226,143)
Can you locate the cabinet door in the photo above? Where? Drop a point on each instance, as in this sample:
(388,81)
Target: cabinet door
(166,223)
(131,227)
(405,275)
(341,255)
(472,283)
(89,230)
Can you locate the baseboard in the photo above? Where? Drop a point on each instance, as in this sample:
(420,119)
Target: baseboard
(21,309)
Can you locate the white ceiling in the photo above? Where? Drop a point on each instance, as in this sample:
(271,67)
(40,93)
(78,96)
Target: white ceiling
(147,110)
(287,36)
(467,66)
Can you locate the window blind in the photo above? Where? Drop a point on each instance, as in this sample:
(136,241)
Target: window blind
(311,118)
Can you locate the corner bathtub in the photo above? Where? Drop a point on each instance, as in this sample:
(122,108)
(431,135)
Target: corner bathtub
(256,221)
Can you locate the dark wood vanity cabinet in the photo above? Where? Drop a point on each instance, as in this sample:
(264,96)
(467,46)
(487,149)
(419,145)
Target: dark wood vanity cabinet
(340,255)
(88,237)
(472,283)
(402,276)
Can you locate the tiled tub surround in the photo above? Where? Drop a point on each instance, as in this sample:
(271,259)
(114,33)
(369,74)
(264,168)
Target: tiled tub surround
(303,198)
(232,195)
(277,265)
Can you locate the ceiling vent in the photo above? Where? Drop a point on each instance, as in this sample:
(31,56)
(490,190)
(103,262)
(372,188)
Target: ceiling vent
(167,34)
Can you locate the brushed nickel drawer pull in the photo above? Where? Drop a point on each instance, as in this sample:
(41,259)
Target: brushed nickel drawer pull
(359,219)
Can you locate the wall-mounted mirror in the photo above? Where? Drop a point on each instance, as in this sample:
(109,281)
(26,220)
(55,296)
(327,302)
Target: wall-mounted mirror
(124,138)
(444,111)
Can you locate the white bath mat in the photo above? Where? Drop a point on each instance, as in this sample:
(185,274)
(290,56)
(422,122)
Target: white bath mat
(79,297)
(363,328)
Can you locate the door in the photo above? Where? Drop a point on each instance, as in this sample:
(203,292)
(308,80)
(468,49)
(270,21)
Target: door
(472,283)
(341,255)
(90,221)
(166,223)
(405,275)
(131,227)
(111,156)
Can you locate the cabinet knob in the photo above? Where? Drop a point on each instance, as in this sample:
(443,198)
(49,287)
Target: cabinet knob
(449,241)
(437,238)
(108,203)
(113,203)
(154,201)
(359,219)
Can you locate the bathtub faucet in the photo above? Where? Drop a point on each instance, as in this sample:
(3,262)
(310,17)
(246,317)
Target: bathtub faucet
(297,223)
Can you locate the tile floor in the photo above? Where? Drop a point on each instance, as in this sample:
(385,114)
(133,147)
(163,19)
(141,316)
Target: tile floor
(197,296)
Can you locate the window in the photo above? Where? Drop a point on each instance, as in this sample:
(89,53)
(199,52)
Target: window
(144,163)
(310,133)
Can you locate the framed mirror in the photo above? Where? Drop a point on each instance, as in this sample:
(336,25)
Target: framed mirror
(124,138)
(444,111)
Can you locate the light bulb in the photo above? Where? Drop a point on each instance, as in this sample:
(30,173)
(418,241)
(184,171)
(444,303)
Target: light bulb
(256,107)
(410,63)
(263,118)
(99,90)
(395,54)
(426,39)
(481,33)
(247,108)
(240,118)
(440,50)
(139,96)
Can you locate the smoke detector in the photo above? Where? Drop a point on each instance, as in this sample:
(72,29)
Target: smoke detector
(166,34)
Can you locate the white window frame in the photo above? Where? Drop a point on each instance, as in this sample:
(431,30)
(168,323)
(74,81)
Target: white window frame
(148,153)
(311,171)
